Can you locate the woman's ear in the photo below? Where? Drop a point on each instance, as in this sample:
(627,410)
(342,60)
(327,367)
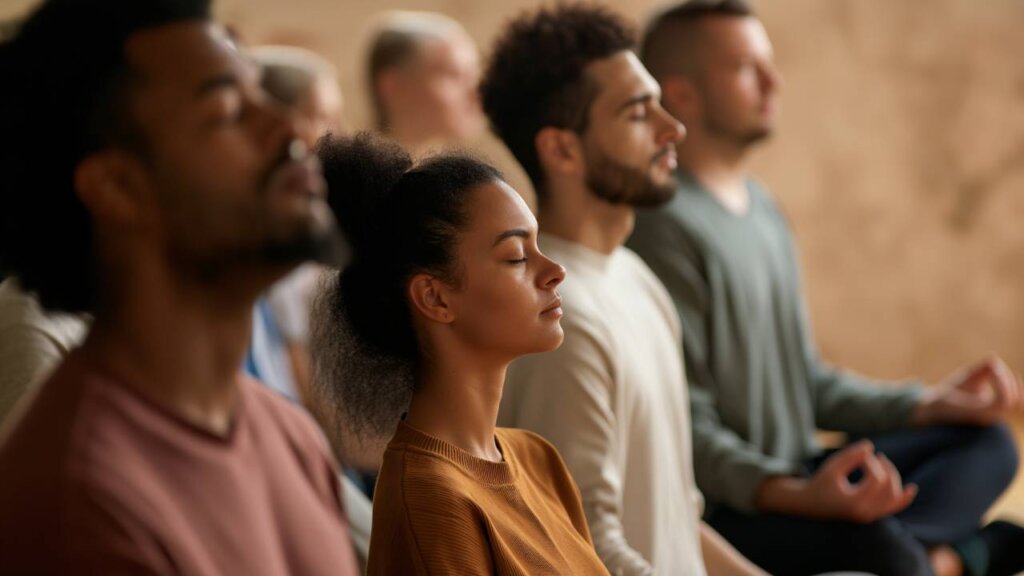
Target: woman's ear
(429,297)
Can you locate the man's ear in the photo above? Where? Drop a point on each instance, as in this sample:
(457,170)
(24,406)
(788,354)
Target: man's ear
(560,151)
(111,186)
(429,297)
(680,98)
(388,86)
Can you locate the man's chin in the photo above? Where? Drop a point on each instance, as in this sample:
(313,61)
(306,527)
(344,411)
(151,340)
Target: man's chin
(324,246)
(654,197)
(660,189)
(313,238)
(759,135)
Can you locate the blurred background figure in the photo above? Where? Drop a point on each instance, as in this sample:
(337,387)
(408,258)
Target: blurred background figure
(423,70)
(150,182)
(305,80)
(308,84)
(279,352)
(32,342)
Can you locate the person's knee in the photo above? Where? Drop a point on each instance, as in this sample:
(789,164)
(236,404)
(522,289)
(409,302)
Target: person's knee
(1001,452)
(885,548)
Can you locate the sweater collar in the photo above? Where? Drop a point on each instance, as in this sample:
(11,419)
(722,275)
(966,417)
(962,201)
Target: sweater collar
(482,470)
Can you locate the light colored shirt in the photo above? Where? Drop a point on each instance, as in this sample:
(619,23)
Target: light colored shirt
(359,512)
(32,342)
(613,400)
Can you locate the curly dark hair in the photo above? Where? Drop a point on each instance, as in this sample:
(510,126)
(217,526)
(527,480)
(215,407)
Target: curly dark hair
(401,219)
(65,96)
(536,76)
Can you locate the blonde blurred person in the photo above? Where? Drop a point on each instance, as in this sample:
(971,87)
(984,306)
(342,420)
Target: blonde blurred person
(422,71)
(307,82)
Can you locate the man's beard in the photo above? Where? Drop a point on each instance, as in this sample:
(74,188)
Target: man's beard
(740,138)
(725,130)
(617,183)
(319,241)
(226,236)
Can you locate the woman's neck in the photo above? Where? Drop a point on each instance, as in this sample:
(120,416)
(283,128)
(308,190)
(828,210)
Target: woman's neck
(460,406)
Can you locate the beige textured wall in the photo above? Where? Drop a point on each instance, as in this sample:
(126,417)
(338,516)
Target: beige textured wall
(899,158)
(901,163)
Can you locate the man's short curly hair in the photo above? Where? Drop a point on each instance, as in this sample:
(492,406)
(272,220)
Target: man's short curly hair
(536,76)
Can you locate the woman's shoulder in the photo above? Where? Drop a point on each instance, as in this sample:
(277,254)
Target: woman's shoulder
(540,464)
(529,449)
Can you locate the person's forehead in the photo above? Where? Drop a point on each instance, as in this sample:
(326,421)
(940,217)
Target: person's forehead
(461,44)
(497,206)
(325,93)
(444,51)
(184,54)
(619,78)
(735,35)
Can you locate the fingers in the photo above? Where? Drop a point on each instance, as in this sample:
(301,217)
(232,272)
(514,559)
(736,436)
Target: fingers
(1003,384)
(1004,378)
(876,477)
(899,496)
(906,499)
(986,391)
(1020,392)
(972,377)
(893,475)
(844,462)
(881,492)
(880,483)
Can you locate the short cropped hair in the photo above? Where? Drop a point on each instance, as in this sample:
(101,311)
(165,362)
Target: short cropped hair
(668,44)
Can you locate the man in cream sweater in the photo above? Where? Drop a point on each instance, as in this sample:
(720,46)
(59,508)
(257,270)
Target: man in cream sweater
(579,111)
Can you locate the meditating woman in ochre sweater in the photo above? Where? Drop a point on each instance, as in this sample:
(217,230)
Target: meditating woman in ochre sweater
(446,287)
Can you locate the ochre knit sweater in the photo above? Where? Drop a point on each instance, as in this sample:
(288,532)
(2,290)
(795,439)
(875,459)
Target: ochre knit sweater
(439,510)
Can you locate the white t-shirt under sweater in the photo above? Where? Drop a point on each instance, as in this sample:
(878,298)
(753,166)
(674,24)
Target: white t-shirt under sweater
(613,400)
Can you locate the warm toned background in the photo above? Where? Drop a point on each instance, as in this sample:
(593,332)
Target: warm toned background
(899,158)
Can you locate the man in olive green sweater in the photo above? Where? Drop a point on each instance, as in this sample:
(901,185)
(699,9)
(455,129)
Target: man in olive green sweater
(906,499)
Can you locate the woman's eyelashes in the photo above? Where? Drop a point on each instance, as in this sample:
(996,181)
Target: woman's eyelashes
(518,253)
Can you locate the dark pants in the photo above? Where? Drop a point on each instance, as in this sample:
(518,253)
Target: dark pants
(960,472)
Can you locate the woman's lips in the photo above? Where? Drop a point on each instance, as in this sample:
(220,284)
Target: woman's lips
(554,309)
